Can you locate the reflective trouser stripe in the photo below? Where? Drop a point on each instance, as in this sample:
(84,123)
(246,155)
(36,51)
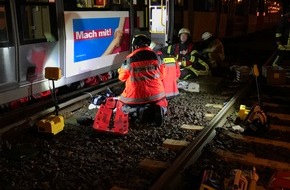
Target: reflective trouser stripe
(193,70)
(136,100)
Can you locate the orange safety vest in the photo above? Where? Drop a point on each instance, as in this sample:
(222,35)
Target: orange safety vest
(171,75)
(143,75)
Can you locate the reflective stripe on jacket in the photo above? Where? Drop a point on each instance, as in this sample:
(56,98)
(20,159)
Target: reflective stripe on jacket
(143,75)
(190,60)
(175,50)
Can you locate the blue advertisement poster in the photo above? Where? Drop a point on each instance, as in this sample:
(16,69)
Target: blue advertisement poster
(93,36)
(95,40)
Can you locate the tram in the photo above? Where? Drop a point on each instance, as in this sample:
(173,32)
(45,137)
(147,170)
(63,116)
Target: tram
(86,38)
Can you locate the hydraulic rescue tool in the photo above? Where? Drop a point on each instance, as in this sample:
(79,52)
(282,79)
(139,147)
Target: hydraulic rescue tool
(256,121)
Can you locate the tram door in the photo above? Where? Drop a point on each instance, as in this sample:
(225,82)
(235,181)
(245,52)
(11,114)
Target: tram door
(8,77)
(37,38)
(161,21)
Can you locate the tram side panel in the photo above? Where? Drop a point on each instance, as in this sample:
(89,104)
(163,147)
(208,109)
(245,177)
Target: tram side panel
(8,77)
(33,58)
(83,44)
(39,46)
(32,46)
(73,45)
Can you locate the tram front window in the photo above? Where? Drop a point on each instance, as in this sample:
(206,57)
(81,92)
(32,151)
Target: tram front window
(35,22)
(3,27)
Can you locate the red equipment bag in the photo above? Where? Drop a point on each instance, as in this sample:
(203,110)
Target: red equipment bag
(111,118)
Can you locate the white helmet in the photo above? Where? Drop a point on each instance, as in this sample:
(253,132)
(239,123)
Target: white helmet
(184,30)
(206,36)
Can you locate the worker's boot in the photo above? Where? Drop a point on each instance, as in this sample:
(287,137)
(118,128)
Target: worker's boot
(158,115)
(146,114)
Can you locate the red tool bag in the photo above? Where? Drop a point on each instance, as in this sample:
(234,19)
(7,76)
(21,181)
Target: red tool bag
(111,118)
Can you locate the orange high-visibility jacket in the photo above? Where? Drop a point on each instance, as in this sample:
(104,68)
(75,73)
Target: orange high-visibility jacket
(142,73)
(171,75)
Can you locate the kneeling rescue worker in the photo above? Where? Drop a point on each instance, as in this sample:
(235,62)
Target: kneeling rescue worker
(142,73)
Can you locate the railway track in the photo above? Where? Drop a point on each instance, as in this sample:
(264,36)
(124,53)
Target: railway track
(231,150)
(171,157)
(80,154)
(157,158)
(173,178)
(67,102)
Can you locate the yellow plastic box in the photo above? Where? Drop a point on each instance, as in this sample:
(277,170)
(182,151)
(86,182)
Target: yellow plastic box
(52,73)
(52,124)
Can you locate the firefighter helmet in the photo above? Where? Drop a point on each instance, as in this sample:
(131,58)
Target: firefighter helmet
(140,40)
(184,31)
(206,36)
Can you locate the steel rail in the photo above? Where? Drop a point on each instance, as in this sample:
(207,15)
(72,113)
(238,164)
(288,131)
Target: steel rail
(171,178)
(50,110)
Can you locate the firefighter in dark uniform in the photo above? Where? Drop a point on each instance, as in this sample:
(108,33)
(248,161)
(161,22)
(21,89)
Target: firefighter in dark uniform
(283,39)
(142,73)
(191,64)
(213,49)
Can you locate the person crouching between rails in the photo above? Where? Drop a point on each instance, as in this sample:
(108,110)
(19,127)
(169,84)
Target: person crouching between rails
(171,72)
(142,73)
